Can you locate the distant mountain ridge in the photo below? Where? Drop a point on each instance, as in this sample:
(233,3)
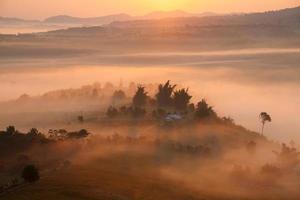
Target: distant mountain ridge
(173,14)
(16,20)
(88,21)
(284,17)
(101,20)
(289,17)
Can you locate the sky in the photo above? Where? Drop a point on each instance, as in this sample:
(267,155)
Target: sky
(40,9)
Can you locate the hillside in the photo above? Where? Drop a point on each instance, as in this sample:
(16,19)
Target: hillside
(285,17)
(15,21)
(64,19)
(283,24)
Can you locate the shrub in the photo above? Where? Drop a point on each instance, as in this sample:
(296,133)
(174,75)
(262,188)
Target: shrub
(204,111)
(112,112)
(11,130)
(30,174)
(80,134)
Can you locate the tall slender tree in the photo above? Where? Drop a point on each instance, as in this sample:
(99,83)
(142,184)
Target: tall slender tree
(264,117)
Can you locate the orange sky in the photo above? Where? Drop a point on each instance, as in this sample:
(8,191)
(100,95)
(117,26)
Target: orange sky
(39,9)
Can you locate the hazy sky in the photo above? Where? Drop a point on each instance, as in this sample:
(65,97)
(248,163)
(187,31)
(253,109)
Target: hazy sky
(39,9)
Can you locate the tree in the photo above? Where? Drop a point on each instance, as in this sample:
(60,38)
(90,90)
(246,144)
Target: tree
(181,99)
(123,110)
(10,130)
(78,135)
(228,120)
(33,132)
(203,110)
(30,174)
(264,117)
(140,97)
(112,112)
(164,95)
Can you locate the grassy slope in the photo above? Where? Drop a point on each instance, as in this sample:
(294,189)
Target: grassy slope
(127,174)
(119,177)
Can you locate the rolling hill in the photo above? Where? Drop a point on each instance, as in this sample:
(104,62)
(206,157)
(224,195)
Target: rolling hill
(61,19)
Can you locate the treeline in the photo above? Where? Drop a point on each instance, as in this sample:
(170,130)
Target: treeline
(35,135)
(168,103)
(11,137)
(94,91)
(13,148)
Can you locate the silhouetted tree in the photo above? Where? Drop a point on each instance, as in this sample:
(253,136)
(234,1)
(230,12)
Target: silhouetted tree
(112,112)
(164,95)
(264,117)
(30,174)
(228,120)
(140,97)
(203,110)
(123,110)
(10,130)
(80,134)
(181,99)
(33,132)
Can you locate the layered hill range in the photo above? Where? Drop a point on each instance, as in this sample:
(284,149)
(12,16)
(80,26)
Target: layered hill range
(66,21)
(285,17)
(158,32)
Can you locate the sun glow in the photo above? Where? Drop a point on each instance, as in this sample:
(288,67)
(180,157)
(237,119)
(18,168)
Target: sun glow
(167,4)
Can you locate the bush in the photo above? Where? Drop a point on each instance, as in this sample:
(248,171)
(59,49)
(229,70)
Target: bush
(204,111)
(10,130)
(112,112)
(30,174)
(80,134)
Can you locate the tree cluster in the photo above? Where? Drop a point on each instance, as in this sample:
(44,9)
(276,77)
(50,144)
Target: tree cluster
(167,100)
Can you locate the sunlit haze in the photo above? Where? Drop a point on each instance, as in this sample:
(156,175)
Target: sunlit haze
(149,99)
(86,8)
